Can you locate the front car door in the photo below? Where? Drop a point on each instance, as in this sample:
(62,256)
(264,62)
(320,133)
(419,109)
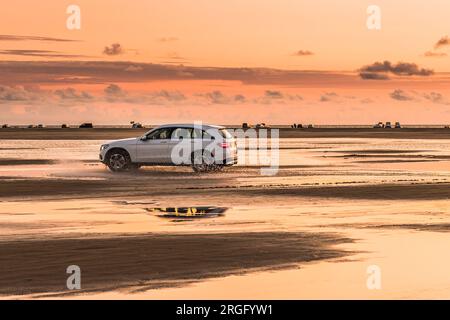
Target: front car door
(154,148)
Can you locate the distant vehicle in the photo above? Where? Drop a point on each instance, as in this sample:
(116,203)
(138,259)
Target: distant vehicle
(388,125)
(64,126)
(30,126)
(245,125)
(310,126)
(379,125)
(208,148)
(261,126)
(299,126)
(398,125)
(4,126)
(40,126)
(86,125)
(136,125)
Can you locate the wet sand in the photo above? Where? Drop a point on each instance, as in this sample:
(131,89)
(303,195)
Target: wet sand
(153,260)
(310,231)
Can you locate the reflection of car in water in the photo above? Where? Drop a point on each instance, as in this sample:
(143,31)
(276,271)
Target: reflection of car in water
(188,212)
(204,147)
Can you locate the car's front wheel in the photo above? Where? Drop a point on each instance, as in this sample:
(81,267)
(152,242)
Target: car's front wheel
(118,160)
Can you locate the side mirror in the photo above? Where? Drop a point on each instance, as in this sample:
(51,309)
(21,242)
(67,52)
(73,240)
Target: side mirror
(143,138)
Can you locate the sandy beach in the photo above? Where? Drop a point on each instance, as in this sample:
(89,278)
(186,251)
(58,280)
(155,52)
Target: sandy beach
(342,200)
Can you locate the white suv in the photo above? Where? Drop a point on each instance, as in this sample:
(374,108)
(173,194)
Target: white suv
(204,147)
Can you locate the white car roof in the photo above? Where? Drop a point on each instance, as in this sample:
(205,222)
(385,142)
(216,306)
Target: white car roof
(190,125)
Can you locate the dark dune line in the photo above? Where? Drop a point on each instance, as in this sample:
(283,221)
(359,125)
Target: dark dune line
(156,187)
(18,162)
(426,191)
(399,156)
(376,151)
(38,266)
(431,191)
(397,161)
(119,133)
(435,227)
(430,227)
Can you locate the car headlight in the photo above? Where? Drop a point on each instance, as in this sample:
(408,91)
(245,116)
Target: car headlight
(104,147)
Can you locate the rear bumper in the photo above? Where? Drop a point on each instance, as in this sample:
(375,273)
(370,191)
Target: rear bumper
(230,161)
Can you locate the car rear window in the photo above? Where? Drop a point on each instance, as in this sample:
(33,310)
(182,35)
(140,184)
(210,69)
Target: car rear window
(225,133)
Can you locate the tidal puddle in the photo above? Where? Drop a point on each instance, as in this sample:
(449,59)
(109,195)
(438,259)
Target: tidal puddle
(189,212)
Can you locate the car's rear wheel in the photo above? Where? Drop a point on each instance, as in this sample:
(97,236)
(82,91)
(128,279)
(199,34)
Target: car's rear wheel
(118,161)
(202,161)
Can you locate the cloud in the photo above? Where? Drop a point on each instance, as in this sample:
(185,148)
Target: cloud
(273,94)
(114,50)
(373,76)
(400,95)
(18,94)
(114,91)
(39,53)
(100,72)
(436,97)
(72,94)
(174,58)
(376,69)
(133,68)
(34,95)
(431,54)
(167,39)
(240,98)
(218,97)
(328,96)
(366,101)
(302,53)
(169,95)
(4,37)
(443,42)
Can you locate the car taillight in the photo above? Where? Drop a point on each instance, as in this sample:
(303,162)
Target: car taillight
(225,145)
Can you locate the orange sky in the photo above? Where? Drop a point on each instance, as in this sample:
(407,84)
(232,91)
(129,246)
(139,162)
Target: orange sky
(249,34)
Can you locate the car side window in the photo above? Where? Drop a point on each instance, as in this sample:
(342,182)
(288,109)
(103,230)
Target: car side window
(207,136)
(201,134)
(160,134)
(196,133)
(181,133)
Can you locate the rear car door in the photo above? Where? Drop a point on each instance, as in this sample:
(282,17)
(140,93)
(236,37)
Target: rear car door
(180,145)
